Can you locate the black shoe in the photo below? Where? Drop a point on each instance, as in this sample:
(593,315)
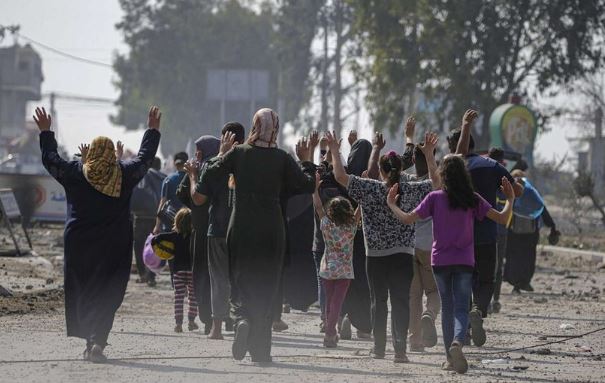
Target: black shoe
(345,329)
(477,331)
(151,283)
(527,287)
(207,328)
(496,307)
(516,290)
(401,357)
(429,332)
(96,354)
(240,343)
(263,362)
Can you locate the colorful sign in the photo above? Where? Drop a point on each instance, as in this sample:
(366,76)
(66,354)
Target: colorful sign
(514,129)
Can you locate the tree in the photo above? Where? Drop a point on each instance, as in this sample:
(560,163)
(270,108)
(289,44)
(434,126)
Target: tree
(474,53)
(174,42)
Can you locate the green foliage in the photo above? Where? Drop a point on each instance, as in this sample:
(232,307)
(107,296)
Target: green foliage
(473,53)
(174,42)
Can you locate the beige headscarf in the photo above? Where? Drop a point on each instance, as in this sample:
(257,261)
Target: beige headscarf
(266,124)
(101,168)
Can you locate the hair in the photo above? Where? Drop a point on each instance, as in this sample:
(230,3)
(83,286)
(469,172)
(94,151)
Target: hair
(156,164)
(390,164)
(181,156)
(237,129)
(457,183)
(496,154)
(453,139)
(521,165)
(340,211)
(182,222)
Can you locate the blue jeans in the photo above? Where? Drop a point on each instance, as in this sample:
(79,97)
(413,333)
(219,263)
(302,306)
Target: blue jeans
(455,288)
(321,292)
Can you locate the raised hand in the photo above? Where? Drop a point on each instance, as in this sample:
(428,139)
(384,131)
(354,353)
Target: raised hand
(153,120)
(393,195)
(42,119)
(323,143)
(352,137)
(314,140)
(379,141)
(303,151)
(430,143)
(469,117)
(119,150)
(410,128)
(507,189)
(83,148)
(227,142)
(191,169)
(333,142)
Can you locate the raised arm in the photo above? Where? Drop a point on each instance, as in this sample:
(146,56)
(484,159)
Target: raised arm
(135,170)
(407,158)
(428,149)
(340,174)
(465,132)
(503,217)
(319,209)
(378,143)
(52,161)
(392,198)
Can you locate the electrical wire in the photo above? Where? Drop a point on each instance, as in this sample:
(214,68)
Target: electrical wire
(64,54)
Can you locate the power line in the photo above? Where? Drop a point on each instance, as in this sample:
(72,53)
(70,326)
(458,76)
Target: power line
(64,54)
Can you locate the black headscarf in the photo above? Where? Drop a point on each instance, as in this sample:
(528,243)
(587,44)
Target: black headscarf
(357,162)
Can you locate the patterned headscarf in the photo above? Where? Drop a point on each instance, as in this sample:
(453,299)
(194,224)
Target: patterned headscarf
(266,123)
(101,168)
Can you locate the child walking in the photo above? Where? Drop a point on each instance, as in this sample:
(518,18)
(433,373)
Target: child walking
(181,268)
(454,209)
(338,225)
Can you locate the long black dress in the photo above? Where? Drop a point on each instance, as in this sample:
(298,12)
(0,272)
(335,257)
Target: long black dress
(256,236)
(98,239)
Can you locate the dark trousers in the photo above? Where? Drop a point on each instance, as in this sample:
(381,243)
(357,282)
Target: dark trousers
(502,237)
(336,291)
(321,292)
(390,276)
(143,226)
(484,276)
(455,292)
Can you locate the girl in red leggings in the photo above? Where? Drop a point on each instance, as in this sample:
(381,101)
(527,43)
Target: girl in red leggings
(338,224)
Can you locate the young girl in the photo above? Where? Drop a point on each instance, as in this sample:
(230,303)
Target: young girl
(180,267)
(338,227)
(453,210)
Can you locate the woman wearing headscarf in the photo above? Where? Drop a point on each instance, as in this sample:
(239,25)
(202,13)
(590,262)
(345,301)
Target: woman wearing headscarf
(256,236)
(98,231)
(206,147)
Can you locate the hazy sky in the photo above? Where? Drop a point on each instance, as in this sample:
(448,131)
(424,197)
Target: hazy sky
(87,29)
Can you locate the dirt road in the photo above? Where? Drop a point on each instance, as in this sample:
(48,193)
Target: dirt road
(569,300)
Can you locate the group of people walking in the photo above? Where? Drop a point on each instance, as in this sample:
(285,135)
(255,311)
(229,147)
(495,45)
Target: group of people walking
(381,234)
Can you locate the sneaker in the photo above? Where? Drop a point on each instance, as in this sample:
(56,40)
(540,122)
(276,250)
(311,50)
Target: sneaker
(192,325)
(363,335)
(240,342)
(345,329)
(331,341)
(401,357)
(458,360)
(416,348)
(178,328)
(496,307)
(376,355)
(429,332)
(477,331)
(96,354)
(280,326)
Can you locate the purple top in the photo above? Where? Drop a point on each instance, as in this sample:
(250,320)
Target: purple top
(453,242)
